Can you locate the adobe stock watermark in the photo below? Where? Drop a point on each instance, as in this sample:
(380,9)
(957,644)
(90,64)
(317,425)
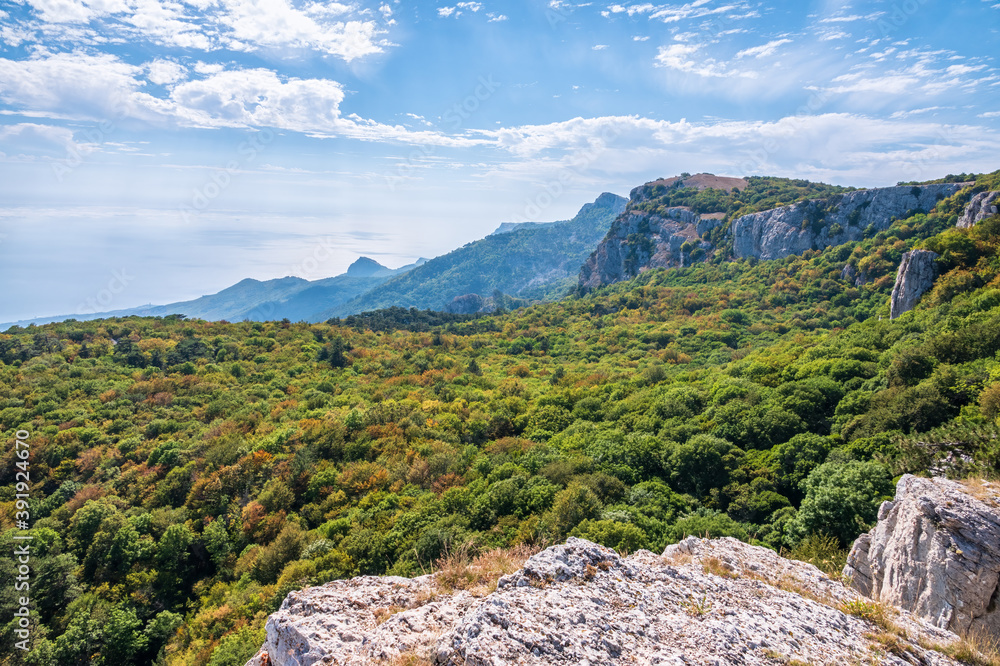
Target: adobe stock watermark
(557,12)
(220,179)
(455,116)
(895,18)
(551,190)
(94,137)
(755,160)
(308,269)
(22,542)
(99,302)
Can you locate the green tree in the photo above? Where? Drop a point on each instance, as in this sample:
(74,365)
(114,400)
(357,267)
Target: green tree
(842,499)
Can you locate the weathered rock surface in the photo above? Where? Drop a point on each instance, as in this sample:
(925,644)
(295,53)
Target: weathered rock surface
(702,602)
(639,241)
(916,274)
(821,223)
(363,620)
(935,551)
(980,207)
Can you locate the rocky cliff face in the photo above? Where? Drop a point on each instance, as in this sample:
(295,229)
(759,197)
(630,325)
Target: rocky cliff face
(639,241)
(982,206)
(935,552)
(916,274)
(822,223)
(701,602)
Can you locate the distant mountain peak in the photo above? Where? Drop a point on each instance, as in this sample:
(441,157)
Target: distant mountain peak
(365,267)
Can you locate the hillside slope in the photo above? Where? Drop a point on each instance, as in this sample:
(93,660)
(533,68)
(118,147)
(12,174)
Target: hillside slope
(186,475)
(537,262)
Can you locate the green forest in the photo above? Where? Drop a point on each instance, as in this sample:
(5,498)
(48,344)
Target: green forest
(186,475)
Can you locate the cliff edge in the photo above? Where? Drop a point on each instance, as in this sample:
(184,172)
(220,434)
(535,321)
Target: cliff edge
(701,602)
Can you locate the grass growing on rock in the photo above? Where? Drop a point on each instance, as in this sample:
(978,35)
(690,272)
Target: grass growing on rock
(478,574)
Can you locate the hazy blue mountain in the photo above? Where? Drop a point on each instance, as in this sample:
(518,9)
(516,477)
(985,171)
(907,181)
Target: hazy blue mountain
(261,300)
(528,261)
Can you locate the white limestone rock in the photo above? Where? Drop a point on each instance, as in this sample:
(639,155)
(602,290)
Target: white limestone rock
(982,206)
(935,551)
(716,601)
(915,276)
(821,223)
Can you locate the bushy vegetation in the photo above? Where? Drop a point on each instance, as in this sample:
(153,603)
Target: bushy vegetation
(761,193)
(186,475)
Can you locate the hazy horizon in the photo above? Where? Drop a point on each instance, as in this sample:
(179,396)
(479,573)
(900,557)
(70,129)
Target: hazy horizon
(191,145)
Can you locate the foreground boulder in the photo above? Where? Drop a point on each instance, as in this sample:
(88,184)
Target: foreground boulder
(935,551)
(701,602)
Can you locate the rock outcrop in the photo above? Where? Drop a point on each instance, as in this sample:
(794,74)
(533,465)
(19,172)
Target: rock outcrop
(916,274)
(980,207)
(935,551)
(821,223)
(639,241)
(702,602)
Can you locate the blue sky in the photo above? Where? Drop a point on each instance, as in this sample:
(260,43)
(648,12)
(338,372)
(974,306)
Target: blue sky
(158,150)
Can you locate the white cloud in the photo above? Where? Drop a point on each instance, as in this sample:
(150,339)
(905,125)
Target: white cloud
(456,11)
(598,47)
(914,112)
(257,97)
(763,50)
(343,30)
(77,85)
(830,35)
(921,78)
(835,146)
(82,86)
(167,24)
(495,18)
(29,140)
(696,9)
(678,57)
(63,11)
(990,114)
(637,38)
(276,23)
(851,18)
(164,72)
(208,67)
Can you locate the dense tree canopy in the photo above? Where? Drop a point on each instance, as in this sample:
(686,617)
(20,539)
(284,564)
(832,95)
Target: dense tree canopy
(186,475)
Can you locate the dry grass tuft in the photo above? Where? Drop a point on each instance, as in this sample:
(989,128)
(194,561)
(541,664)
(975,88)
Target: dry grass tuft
(677,559)
(982,489)
(891,643)
(713,565)
(479,575)
(975,649)
(870,611)
(409,658)
(384,613)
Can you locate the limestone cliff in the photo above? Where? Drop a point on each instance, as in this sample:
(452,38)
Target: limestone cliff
(935,551)
(639,241)
(914,277)
(820,223)
(982,206)
(701,602)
